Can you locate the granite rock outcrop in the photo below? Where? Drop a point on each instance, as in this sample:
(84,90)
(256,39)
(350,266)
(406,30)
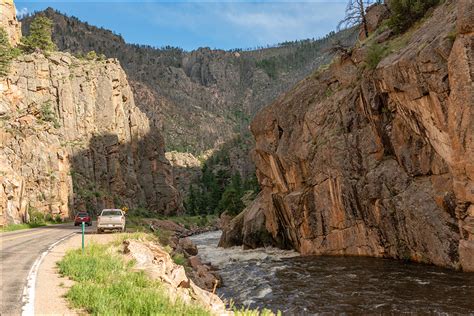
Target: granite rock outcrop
(72,138)
(355,161)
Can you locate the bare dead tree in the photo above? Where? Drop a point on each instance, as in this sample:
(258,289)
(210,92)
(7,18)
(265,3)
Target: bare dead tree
(339,49)
(355,14)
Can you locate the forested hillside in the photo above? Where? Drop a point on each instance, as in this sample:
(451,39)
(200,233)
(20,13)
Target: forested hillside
(204,97)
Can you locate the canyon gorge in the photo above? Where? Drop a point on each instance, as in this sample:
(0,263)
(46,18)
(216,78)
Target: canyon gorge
(373,162)
(353,158)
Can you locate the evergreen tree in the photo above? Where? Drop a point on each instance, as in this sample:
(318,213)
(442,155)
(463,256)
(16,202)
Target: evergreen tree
(6,53)
(40,36)
(191,205)
(407,12)
(236,183)
(231,201)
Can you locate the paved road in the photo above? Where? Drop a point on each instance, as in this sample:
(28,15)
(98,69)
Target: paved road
(19,250)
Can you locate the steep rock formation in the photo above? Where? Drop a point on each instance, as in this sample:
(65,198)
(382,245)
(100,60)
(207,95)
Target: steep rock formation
(72,139)
(186,170)
(9,22)
(377,163)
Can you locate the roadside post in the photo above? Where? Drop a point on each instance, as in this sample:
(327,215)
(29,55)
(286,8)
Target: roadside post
(83,225)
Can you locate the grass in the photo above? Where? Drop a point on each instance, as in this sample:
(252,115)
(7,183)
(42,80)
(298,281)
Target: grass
(179,259)
(13,227)
(106,285)
(34,224)
(135,236)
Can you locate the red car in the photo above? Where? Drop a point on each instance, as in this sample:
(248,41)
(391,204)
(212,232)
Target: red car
(82,217)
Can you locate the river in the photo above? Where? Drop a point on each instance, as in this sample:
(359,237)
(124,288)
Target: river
(283,280)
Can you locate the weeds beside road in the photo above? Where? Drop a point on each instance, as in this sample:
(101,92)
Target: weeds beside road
(105,284)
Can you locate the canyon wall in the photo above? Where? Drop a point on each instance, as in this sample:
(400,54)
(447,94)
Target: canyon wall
(355,161)
(72,139)
(9,22)
(202,97)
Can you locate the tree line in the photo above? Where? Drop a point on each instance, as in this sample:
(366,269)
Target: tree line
(218,192)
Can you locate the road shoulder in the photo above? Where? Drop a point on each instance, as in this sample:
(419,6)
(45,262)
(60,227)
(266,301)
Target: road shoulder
(51,287)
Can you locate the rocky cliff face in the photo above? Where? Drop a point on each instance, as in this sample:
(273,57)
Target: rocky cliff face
(9,22)
(72,139)
(378,162)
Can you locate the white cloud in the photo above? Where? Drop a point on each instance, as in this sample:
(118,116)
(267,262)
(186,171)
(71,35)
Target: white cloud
(279,22)
(21,12)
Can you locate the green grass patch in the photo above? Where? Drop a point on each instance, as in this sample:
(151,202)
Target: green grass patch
(106,285)
(13,227)
(179,259)
(142,236)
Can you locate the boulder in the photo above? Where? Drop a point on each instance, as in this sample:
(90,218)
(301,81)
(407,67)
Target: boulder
(248,228)
(188,246)
(375,15)
(157,264)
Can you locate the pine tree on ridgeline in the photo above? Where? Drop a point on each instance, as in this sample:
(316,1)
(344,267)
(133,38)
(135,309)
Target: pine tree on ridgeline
(40,36)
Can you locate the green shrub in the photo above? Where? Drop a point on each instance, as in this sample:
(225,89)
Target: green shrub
(40,36)
(179,259)
(407,12)
(269,66)
(92,55)
(231,201)
(47,114)
(374,55)
(36,217)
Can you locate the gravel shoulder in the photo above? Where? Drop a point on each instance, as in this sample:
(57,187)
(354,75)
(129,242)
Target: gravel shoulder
(51,287)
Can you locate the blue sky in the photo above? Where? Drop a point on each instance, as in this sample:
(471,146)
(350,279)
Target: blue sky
(191,24)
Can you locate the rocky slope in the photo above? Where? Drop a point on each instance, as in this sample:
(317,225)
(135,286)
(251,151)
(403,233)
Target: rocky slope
(355,161)
(71,139)
(203,97)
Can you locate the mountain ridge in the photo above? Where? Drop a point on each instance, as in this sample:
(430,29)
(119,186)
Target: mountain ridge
(204,97)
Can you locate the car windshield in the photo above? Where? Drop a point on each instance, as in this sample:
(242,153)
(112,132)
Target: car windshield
(111,213)
(82,214)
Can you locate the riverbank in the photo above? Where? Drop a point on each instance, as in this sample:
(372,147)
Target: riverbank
(107,266)
(282,280)
(121,273)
